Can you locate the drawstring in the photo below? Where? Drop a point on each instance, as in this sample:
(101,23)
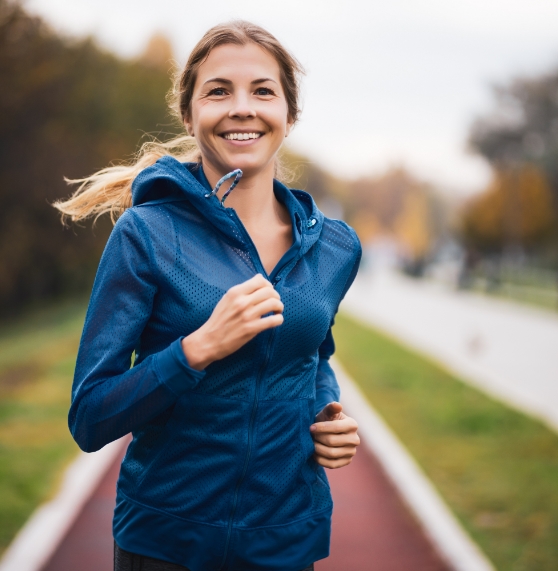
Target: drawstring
(237,173)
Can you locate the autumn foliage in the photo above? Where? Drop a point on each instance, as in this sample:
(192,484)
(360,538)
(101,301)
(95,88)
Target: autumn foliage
(67,108)
(516,209)
(519,138)
(395,206)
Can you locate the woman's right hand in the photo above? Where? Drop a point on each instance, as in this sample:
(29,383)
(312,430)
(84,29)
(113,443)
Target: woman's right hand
(236,319)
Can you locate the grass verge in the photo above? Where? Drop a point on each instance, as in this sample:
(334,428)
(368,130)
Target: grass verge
(37,357)
(496,468)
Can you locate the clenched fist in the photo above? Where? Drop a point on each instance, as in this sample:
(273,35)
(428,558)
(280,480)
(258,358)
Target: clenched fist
(236,319)
(335,437)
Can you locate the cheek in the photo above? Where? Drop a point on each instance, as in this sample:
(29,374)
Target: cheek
(276,117)
(204,119)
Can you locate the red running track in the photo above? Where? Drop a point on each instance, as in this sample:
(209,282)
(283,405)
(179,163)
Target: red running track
(372,528)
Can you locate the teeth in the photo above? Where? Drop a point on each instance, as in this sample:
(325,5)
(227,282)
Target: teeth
(242,136)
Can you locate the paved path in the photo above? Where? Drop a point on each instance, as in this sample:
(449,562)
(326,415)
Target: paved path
(508,350)
(88,546)
(372,529)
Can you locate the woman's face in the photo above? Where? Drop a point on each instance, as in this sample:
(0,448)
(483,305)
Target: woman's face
(239,113)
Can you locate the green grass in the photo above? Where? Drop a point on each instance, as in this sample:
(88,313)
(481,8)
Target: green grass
(496,468)
(37,356)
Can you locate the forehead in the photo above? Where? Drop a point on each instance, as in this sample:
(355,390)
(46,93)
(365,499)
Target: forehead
(237,63)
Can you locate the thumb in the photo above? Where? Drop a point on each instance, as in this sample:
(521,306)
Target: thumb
(331,411)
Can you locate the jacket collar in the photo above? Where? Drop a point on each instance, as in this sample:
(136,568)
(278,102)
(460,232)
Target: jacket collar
(168,175)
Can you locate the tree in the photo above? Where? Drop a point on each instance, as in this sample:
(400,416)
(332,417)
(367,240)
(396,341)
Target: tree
(397,206)
(515,210)
(67,108)
(523,128)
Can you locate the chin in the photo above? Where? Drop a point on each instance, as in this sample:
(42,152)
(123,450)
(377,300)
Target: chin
(249,165)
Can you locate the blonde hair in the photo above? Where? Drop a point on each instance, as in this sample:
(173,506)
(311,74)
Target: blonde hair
(109,190)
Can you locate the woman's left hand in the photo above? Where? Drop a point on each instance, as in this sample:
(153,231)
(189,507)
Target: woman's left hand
(335,437)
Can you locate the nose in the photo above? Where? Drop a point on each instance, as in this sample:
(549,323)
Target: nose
(241,107)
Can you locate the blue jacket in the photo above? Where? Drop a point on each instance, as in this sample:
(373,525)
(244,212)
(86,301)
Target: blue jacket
(219,474)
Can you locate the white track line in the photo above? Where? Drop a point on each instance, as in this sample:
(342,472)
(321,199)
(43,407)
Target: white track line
(441,526)
(37,541)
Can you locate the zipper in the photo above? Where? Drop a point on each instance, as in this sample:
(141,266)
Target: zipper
(256,258)
(249,447)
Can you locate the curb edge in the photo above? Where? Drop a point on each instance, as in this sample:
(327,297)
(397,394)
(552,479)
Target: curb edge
(441,526)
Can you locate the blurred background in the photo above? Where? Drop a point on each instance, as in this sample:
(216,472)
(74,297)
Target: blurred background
(429,126)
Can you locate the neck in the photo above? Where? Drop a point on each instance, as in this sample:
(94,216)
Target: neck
(253,198)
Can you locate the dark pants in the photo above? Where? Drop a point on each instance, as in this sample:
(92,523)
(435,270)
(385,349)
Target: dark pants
(125,561)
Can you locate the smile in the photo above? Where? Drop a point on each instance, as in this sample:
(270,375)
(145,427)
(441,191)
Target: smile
(242,136)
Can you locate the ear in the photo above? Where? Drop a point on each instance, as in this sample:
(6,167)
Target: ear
(188,126)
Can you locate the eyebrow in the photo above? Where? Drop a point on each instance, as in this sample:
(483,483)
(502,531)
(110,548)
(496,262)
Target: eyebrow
(229,82)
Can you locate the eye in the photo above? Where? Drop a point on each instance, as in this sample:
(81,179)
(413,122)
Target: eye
(264,91)
(218,91)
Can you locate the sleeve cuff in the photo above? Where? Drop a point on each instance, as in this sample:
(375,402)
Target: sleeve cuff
(174,370)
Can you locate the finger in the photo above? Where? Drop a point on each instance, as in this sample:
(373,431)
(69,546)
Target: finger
(261,295)
(331,463)
(346,424)
(334,452)
(345,439)
(251,285)
(268,306)
(330,412)
(238,303)
(268,322)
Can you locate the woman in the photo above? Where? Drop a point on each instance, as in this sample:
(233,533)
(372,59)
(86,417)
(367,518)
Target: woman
(228,307)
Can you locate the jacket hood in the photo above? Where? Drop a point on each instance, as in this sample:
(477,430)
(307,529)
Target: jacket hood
(169,177)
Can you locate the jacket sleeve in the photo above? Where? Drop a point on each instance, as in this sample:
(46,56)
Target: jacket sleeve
(327,388)
(110,399)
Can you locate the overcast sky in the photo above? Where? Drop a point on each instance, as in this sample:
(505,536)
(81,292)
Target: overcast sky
(390,82)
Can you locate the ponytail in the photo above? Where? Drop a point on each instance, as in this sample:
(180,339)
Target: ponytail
(110,189)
